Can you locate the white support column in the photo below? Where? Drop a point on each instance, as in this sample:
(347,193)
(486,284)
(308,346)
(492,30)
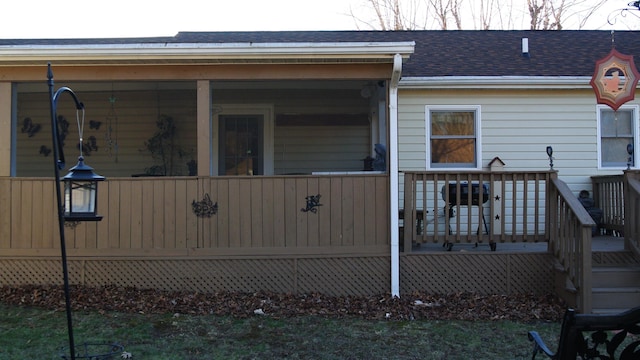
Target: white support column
(393,172)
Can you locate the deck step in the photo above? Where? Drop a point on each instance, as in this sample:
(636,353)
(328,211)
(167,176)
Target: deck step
(608,311)
(616,277)
(615,288)
(615,298)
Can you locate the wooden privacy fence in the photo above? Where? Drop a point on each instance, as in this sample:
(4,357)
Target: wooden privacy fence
(204,216)
(454,207)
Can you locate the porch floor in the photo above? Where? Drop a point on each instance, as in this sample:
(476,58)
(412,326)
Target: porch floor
(601,243)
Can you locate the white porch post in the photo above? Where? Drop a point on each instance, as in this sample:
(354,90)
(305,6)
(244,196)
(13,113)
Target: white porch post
(393,171)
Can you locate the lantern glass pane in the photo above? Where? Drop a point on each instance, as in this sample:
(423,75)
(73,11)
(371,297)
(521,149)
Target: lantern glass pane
(79,197)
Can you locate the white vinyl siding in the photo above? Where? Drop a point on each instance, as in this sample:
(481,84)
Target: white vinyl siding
(616,131)
(517,126)
(307,149)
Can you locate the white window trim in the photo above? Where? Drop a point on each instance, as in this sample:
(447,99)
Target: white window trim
(266,110)
(478,127)
(635,133)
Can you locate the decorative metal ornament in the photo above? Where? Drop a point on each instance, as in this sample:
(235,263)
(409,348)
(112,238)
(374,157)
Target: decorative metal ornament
(313,202)
(615,79)
(111,135)
(204,208)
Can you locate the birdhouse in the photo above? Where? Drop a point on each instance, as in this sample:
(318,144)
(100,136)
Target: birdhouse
(496,164)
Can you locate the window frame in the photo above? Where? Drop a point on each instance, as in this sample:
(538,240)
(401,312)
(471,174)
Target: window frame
(476,109)
(635,126)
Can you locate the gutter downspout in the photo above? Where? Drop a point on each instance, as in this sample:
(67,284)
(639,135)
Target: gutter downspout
(393,169)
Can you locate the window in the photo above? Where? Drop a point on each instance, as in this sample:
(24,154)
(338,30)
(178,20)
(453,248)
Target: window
(616,130)
(454,136)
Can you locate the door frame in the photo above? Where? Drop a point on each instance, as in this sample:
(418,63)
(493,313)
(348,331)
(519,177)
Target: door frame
(267,112)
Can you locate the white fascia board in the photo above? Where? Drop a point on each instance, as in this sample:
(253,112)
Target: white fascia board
(496,82)
(204,51)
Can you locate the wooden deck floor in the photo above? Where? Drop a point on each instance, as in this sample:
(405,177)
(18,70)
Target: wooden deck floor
(599,243)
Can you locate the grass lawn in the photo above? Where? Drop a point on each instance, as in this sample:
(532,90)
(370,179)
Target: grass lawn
(35,333)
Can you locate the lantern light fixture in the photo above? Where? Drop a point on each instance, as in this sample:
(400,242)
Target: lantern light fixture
(81,193)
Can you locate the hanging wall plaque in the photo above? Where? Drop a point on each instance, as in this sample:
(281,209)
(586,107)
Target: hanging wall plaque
(615,79)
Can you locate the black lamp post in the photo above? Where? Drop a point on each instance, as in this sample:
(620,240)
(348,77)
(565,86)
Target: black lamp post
(80,190)
(550,155)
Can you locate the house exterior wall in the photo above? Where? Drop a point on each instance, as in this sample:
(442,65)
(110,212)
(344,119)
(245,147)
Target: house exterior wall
(516,126)
(315,129)
(308,149)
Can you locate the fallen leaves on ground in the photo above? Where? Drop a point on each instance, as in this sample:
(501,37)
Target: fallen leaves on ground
(459,306)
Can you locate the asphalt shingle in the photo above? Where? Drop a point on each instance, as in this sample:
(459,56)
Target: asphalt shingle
(437,53)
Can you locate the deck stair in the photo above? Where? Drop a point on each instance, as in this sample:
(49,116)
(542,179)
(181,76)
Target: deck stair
(615,282)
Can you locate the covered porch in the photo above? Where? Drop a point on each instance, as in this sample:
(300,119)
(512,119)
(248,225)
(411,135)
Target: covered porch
(226,171)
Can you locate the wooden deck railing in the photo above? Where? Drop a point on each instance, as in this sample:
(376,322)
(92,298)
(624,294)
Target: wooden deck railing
(501,207)
(255,216)
(632,211)
(570,229)
(618,197)
(521,207)
(608,193)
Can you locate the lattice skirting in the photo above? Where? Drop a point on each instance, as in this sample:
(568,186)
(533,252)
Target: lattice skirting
(331,276)
(366,275)
(613,258)
(509,273)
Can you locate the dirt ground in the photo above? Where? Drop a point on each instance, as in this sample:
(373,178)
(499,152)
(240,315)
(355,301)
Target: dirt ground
(461,306)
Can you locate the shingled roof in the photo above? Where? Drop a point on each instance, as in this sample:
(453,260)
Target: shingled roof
(437,53)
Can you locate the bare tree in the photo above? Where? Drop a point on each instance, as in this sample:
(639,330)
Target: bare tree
(396,14)
(445,9)
(536,13)
(552,14)
(582,11)
(484,14)
(455,13)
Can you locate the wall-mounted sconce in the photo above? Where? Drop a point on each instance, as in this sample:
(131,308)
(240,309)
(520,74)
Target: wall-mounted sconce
(630,152)
(550,155)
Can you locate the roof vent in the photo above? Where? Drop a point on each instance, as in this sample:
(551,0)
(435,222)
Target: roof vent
(525,47)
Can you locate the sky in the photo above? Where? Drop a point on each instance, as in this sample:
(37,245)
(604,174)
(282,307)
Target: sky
(145,18)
